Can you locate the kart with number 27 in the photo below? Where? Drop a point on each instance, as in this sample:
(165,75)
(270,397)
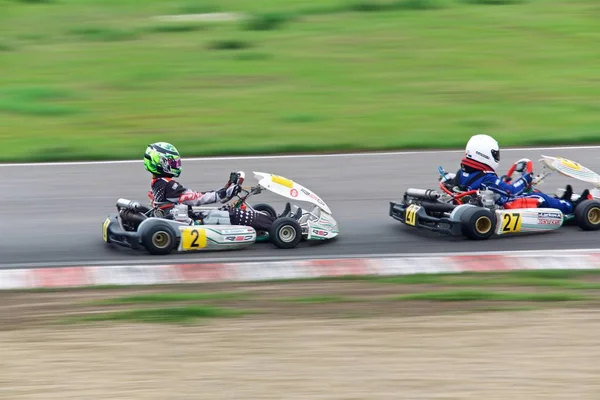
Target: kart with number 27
(163,228)
(474,214)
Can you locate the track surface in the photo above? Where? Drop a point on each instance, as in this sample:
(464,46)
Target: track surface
(52,214)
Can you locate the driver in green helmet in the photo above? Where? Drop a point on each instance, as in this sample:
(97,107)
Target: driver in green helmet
(163,161)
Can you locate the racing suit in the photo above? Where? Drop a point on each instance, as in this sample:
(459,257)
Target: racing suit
(474,175)
(171,191)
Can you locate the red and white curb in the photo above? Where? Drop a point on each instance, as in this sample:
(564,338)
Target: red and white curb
(29,278)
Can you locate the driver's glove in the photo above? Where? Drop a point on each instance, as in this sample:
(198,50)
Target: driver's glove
(506,178)
(528,178)
(226,194)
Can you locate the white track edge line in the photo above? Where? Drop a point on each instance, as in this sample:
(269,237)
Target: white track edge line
(288,156)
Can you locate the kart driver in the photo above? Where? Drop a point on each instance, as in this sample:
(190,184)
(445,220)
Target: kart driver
(163,161)
(478,171)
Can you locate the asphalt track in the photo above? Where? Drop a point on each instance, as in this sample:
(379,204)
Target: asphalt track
(52,214)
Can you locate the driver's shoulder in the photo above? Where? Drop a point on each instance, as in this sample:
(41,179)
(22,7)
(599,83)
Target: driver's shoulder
(490,177)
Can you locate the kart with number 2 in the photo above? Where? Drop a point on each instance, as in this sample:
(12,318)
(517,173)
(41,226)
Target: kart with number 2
(163,228)
(474,214)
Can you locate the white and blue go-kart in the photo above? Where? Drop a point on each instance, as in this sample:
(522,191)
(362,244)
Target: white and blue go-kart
(474,214)
(167,227)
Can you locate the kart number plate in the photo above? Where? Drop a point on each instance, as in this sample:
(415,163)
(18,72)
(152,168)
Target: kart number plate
(511,222)
(411,214)
(193,238)
(105,229)
(282,181)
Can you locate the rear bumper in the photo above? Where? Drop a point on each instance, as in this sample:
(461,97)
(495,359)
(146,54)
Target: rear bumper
(422,220)
(113,233)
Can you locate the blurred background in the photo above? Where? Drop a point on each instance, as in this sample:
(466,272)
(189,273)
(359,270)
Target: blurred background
(101,79)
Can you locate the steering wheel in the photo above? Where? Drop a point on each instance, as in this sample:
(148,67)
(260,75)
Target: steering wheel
(523,166)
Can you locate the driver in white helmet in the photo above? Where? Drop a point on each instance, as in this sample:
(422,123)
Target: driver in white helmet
(478,171)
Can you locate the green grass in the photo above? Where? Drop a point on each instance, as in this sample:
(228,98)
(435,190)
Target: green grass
(163,315)
(532,278)
(176,27)
(476,295)
(317,299)
(172,297)
(37,101)
(102,34)
(298,76)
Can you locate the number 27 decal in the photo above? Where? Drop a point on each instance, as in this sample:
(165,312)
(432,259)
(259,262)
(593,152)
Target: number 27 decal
(511,222)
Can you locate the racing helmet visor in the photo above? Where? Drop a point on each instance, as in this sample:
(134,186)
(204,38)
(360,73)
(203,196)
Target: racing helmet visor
(174,163)
(496,155)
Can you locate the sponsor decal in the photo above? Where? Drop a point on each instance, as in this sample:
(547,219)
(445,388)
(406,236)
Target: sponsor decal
(233,231)
(482,155)
(320,232)
(238,238)
(294,193)
(549,215)
(548,221)
(312,196)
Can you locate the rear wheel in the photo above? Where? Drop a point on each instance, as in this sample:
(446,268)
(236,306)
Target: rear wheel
(159,239)
(587,215)
(478,223)
(285,233)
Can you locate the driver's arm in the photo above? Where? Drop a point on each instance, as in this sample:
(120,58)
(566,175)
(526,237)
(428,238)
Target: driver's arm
(199,198)
(177,193)
(508,189)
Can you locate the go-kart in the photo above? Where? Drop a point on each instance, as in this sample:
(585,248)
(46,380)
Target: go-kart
(163,227)
(475,215)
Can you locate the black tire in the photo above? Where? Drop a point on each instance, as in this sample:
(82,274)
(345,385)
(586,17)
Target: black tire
(262,207)
(159,238)
(285,233)
(478,223)
(587,215)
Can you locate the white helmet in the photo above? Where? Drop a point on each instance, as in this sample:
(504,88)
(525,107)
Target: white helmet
(483,149)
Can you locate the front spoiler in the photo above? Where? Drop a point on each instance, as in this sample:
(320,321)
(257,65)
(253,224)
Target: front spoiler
(421,219)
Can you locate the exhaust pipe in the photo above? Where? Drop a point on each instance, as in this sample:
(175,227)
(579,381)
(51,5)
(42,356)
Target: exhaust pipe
(128,204)
(425,194)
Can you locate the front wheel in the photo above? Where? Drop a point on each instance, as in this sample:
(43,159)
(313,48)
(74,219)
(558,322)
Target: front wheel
(478,223)
(587,215)
(266,209)
(285,233)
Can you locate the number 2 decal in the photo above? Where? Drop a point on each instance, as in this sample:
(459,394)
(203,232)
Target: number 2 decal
(193,238)
(511,222)
(195,235)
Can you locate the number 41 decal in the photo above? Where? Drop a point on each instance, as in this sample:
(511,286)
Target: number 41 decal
(511,222)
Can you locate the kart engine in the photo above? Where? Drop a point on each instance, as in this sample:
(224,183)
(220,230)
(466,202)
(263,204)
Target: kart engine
(130,213)
(487,198)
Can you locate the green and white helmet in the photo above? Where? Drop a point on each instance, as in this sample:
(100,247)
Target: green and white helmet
(162,159)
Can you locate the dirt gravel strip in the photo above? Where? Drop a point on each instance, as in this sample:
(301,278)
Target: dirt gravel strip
(28,278)
(518,356)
